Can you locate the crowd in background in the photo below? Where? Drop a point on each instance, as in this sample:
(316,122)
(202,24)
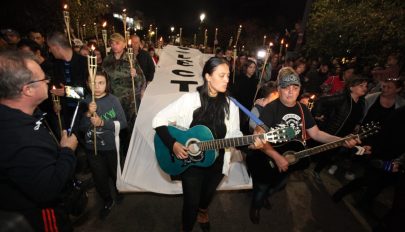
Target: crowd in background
(342,95)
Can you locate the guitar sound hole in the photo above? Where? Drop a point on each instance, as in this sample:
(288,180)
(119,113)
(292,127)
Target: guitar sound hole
(193,148)
(290,157)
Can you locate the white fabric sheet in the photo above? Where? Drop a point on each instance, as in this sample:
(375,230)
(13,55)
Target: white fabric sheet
(141,172)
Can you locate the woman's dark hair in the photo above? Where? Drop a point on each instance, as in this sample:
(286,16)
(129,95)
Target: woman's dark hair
(299,62)
(107,80)
(212,113)
(32,45)
(355,80)
(268,88)
(247,64)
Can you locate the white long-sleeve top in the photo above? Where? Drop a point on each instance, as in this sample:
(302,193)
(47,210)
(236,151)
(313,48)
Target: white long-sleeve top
(180,113)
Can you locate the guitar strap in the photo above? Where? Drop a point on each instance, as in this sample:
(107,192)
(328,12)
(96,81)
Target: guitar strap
(303,130)
(251,115)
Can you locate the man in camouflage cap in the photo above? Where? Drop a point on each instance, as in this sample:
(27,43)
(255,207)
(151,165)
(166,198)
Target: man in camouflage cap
(118,69)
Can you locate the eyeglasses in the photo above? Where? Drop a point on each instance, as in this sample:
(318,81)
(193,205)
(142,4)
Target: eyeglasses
(46,78)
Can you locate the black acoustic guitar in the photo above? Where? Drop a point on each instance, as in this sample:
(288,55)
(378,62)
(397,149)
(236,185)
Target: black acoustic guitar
(295,150)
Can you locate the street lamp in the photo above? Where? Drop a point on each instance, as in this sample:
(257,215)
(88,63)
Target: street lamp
(202,17)
(172,30)
(200,28)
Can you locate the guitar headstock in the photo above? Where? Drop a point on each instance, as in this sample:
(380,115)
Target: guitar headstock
(280,135)
(369,129)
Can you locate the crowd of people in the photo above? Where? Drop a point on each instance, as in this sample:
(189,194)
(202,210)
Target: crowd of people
(45,118)
(322,100)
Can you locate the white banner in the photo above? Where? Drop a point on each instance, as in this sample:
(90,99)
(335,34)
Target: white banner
(178,71)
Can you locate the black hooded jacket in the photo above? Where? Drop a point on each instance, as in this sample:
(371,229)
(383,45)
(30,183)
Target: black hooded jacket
(33,169)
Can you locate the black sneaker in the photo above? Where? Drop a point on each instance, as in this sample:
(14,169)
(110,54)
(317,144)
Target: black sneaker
(105,211)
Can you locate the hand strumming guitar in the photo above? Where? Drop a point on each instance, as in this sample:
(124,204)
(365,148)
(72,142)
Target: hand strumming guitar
(180,151)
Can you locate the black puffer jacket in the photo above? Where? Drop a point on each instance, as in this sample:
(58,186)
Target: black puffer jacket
(336,109)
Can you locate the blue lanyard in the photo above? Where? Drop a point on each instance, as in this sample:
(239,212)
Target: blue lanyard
(250,114)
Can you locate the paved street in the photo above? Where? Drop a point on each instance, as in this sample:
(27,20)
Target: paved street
(303,205)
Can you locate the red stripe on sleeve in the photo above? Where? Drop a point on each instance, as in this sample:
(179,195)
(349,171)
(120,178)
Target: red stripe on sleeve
(55,226)
(44,219)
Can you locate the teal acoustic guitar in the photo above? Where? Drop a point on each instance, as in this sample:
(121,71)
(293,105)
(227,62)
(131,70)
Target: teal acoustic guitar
(203,148)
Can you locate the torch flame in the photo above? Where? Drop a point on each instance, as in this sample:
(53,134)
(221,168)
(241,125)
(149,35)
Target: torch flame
(65,6)
(312,97)
(92,48)
(271,44)
(105,24)
(53,87)
(282,41)
(129,42)
(286,45)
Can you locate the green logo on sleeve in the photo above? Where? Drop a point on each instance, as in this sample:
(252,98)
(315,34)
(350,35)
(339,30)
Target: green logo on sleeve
(109,115)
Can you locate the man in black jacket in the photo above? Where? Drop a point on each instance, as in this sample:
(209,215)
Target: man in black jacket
(34,166)
(339,115)
(70,69)
(144,59)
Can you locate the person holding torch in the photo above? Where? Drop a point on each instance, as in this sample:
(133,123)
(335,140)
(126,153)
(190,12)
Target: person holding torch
(118,68)
(104,110)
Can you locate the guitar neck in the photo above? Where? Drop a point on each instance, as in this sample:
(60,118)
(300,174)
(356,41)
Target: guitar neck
(323,147)
(229,142)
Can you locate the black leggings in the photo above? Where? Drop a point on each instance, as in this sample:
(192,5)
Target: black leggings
(103,167)
(199,187)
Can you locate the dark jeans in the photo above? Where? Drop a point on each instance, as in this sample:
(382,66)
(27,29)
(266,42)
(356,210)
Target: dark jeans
(103,167)
(375,180)
(325,158)
(394,219)
(199,187)
(263,190)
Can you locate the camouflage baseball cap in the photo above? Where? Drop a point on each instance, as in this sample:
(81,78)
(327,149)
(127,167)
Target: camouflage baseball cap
(291,79)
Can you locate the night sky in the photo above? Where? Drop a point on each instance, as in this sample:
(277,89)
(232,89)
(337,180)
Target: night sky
(272,14)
